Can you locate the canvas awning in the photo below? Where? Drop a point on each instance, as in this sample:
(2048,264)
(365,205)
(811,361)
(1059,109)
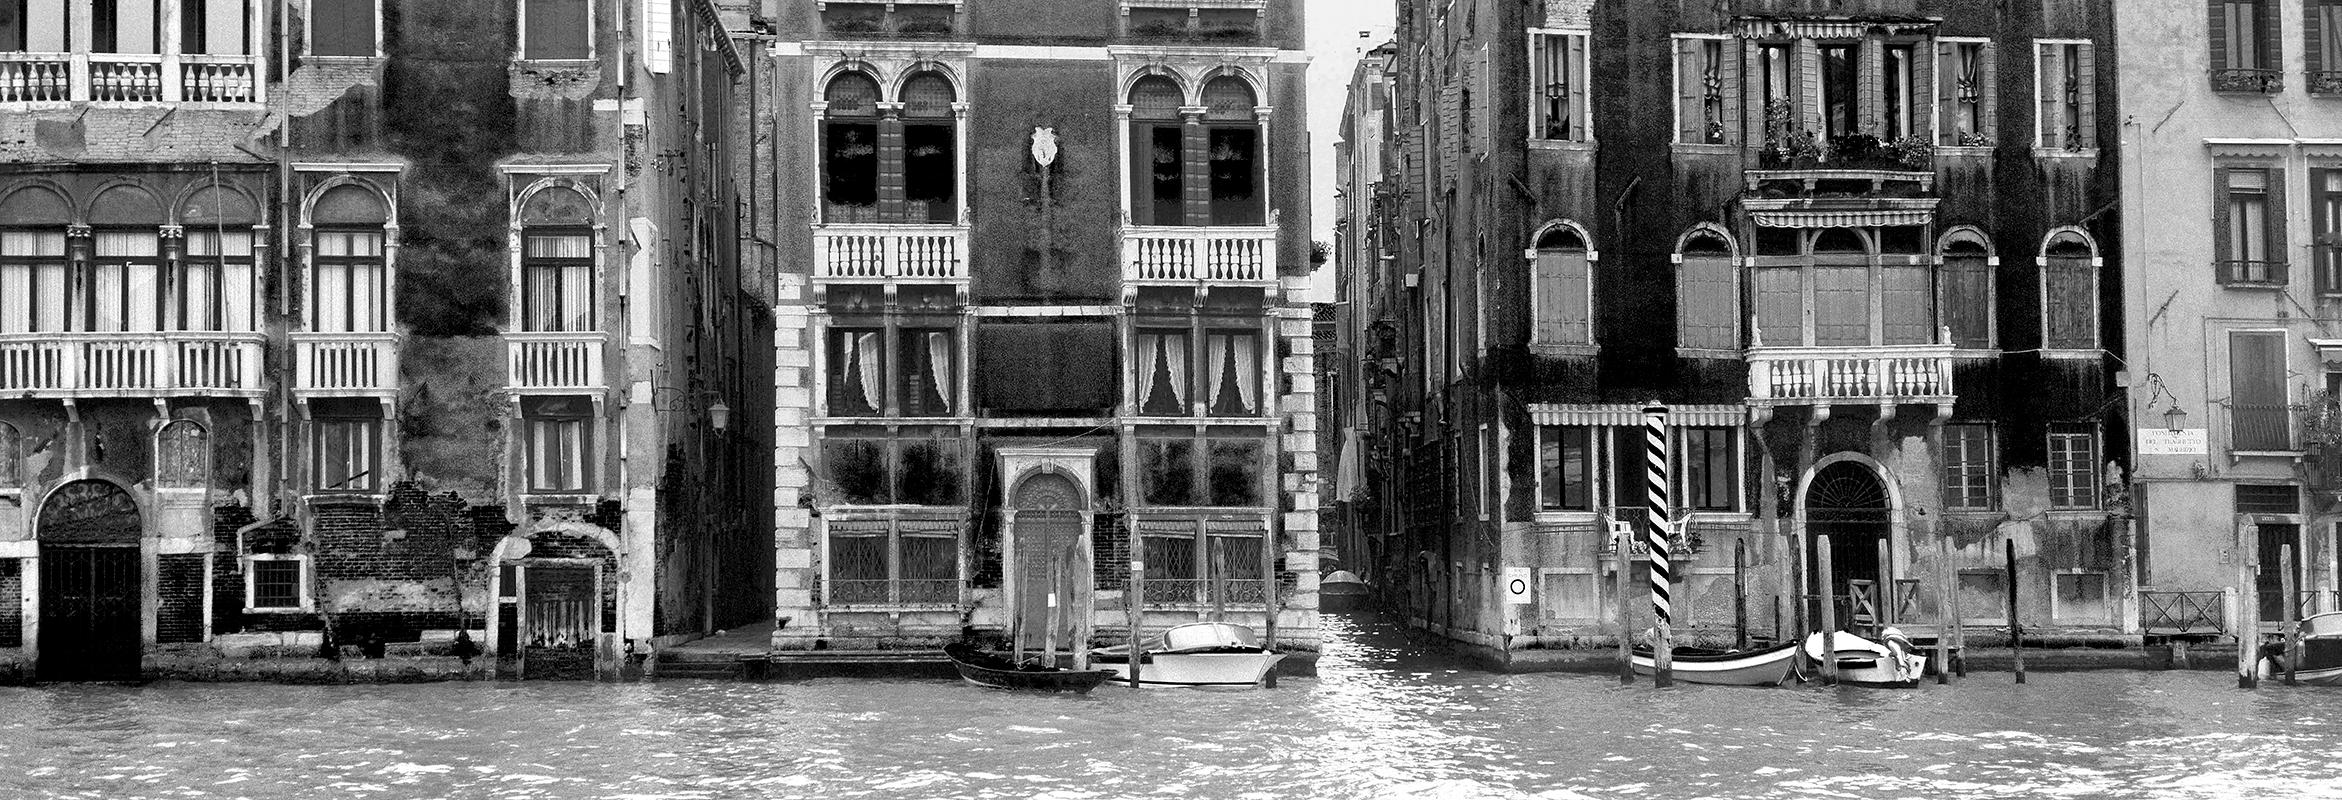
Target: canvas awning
(1841,219)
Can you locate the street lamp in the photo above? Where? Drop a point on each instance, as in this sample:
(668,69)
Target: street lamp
(2175,419)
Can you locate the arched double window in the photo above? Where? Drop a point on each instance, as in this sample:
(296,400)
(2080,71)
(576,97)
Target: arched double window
(2069,291)
(1838,289)
(33,265)
(892,162)
(1197,165)
(1562,277)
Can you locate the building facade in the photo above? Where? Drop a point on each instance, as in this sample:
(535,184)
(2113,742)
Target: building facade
(1865,255)
(1040,318)
(2234,207)
(1361,400)
(348,322)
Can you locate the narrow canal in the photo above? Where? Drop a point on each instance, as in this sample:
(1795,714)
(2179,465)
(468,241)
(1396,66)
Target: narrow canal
(1377,722)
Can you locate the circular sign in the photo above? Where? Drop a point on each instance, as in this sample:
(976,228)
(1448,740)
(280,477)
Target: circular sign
(1520,587)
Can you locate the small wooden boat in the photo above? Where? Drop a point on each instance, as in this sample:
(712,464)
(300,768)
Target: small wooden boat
(1862,662)
(995,671)
(1769,666)
(2320,662)
(1197,655)
(1340,591)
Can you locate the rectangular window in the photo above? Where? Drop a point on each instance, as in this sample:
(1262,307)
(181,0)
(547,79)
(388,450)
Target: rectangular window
(1707,469)
(1840,105)
(557,281)
(1965,284)
(556,29)
(1970,475)
(1781,85)
(2249,232)
(1842,308)
(1168,466)
(2073,466)
(276,582)
(348,291)
(32,281)
(1232,374)
(1234,159)
(125,281)
(37,26)
(126,26)
(1162,180)
(342,27)
(1705,90)
(1235,472)
(345,436)
(1170,555)
(1708,312)
(1163,363)
(857,371)
(930,173)
(1566,468)
(1967,86)
(933,470)
(2326,228)
(2245,52)
(850,171)
(2256,386)
(1560,88)
(559,444)
(860,471)
(2322,45)
(215,283)
(894,562)
(2067,88)
(215,27)
(1907,303)
(929,360)
(2267,499)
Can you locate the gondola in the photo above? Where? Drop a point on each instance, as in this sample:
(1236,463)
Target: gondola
(994,671)
(1770,666)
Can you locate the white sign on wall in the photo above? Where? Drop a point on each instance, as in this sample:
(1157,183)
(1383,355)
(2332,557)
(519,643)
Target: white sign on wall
(2167,442)
(1516,586)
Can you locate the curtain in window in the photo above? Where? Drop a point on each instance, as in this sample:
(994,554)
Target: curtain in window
(348,293)
(939,366)
(1150,356)
(1247,367)
(345,455)
(866,367)
(16,298)
(127,280)
(557,460)
(32,281)
(558,277)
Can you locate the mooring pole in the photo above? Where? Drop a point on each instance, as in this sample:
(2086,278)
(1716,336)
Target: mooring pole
(2292,615)
(1656,525)
(1137,614)
(1946,588)
(1621,539)
(1885,613)
(1829,610)
(2016,629)
(1740,593)
(2246,599)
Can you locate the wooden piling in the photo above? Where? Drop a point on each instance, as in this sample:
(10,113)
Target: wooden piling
(1137,614)
(1740,593)
(1829,610)
(1947,586)
(1620,539)
(2016,629)
(1049,634)
(2246,599)
(2292,623)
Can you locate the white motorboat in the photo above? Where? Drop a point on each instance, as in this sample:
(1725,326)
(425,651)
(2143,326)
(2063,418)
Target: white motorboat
(1197,655)
(1862,662)
(2320,660)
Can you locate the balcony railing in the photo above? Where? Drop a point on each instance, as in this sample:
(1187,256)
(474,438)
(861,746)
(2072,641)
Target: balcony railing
(554,362)
(2261,428)
(2252,274)
(888,252)
(130,364)
(937,592)
(345,363)
(1166,254)
(1190,592)
(2263,81)
(2324,82)
(128,78)
(1885,374)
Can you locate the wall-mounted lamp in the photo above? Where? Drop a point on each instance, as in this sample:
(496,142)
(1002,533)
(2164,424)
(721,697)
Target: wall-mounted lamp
(2175,419)
(719,414)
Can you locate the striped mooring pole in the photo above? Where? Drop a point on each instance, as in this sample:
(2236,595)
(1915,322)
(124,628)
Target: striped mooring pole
(1655,529)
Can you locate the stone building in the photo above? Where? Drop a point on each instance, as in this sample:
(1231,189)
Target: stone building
(1866,254)
(2233,203)
(1361,240)
(351,322)
(1040,316)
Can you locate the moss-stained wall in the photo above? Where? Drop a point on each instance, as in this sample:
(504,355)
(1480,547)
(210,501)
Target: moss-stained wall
(1059,247)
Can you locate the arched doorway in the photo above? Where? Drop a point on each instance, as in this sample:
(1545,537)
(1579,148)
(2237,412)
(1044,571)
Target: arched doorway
(1049,557)
(91,588)
(1848,502)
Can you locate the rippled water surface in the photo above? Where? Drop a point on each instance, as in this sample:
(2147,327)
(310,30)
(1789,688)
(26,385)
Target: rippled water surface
(1378,722)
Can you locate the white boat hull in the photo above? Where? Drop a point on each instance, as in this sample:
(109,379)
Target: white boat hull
(1862,662)
(1768,667)
(1196,670)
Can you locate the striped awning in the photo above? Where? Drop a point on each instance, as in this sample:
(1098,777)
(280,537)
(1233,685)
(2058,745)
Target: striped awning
(1628,415)
(1841,219)
(1828,28)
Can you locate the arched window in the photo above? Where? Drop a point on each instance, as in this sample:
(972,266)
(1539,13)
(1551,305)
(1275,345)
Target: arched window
(182,455)
(557,261)
(1964,289)
(215,281)
(125,277)
(1563,272)
(1707,307)
(2069,292)
(349,282)
(1906,287)
(11,458)
(1158,170)
(32,261)
(849,147)
(1233,148)
(930,150)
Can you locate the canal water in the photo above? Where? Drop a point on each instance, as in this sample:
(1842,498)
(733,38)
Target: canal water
(1380,721)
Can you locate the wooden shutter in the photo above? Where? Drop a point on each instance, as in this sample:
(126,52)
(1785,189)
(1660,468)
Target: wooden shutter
(1921,100)
(1870,58)
(1690,93)
(1752,91)
(2216,31)
(2086,78)
(1581,79)
(1451,104)
(2048,83)
(341,27)
(1965,286)
(1988,90)
(1573,313)
(1808,65)
(1545,269)
(557,29)
(2222,246)
(1484,101)
(2280,250)
(2313,38)
(1728,67)
(1947,93)
(1780,306)
(2256,382)
(2272,36)
(1707,315)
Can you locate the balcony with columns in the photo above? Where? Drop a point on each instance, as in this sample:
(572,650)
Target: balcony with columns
(1220,255)
(345,364)
(131,364)
(1879,375)
(555,362)
(887,252)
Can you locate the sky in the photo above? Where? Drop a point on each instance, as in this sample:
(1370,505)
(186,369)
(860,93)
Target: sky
(1334,46)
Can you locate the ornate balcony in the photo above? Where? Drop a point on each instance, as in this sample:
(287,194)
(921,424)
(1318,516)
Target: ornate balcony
(1817,376)
(166,364)
(1187,256)
(554,363)
(342,364)
(890,252)
(129,78)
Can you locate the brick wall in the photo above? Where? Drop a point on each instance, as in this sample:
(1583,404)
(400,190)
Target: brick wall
(179,585)
(11,602)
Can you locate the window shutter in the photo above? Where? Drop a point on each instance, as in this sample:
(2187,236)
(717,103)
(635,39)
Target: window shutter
(1752,91)
(1689,108)
(1484,102)
(1728,74)
(1546,269)
(1966,305)
(1809,73)
(2272,38)
(557,29)
(1870,65)
(1580,89)
(1575,318)
(1947,93)
(1922,123)
(1988,94)
(2313,38)
(1450,126)
(2222,245)
(341,27)
(2280,249)
(1707,315)
(2216,31)
(2086,77)
(2256,369)
(2046,88)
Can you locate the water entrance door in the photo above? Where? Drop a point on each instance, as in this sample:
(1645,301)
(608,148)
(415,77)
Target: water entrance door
(1046,559)
(91,584)
(1848,503)
(2270,580)
(559,623)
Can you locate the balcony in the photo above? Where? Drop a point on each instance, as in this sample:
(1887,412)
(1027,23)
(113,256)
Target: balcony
(329,364)
(128,78)
(890,252)
(1785,376)
(169,364)
(2257,81)
(1182,255)
(2252,274)
(554,362)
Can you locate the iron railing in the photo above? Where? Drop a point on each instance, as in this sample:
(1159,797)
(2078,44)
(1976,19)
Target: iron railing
(2264,81)
(2183,613)
(2252,274)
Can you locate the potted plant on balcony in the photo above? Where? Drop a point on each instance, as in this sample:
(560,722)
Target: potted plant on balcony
(1788,146)
(1912,152)
(2321,436)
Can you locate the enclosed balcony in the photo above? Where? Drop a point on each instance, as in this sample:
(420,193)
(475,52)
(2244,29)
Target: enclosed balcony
(1174,255)
(168,364)
(1869,375)
(879,252)
(555,362)
(343,364)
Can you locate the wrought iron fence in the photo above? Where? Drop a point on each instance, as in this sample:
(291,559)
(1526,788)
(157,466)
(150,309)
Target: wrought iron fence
(2182,613)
